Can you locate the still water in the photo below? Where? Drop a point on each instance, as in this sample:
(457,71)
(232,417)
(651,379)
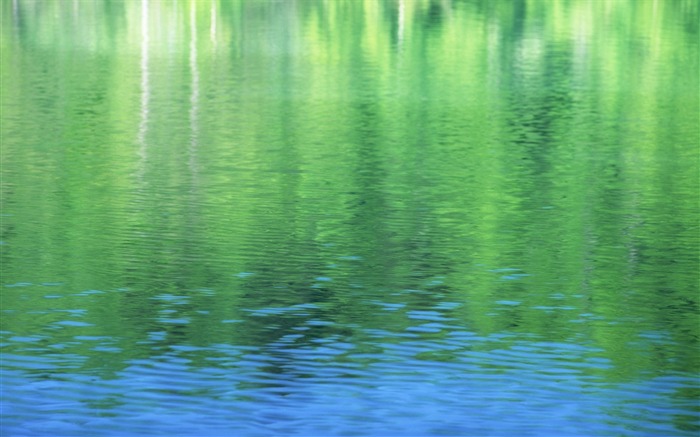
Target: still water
(350,217)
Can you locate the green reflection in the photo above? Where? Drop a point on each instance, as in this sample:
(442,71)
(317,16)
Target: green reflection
(534,162)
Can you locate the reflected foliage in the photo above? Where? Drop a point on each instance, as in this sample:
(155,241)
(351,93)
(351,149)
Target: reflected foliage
(338,179)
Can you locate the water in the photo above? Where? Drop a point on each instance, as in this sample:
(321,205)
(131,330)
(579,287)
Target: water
(362,218)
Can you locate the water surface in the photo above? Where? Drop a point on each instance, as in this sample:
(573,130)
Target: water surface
(368,218)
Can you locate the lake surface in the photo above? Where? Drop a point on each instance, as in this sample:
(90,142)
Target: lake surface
(350,218)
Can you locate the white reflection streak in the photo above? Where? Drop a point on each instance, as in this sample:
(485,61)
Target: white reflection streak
(145,85)
(194,98)
(493,50)
(212,33)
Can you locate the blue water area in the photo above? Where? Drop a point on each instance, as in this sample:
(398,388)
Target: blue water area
(392,383)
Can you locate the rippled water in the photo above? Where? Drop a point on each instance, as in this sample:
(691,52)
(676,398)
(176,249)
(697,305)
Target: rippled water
(369,218)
